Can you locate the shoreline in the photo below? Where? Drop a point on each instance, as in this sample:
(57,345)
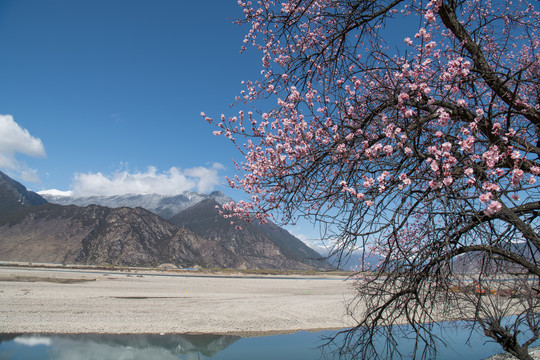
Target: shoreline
(178,271)
(60,301)
(241,334)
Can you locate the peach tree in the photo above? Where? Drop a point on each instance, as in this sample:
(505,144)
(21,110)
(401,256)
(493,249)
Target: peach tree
(410,129)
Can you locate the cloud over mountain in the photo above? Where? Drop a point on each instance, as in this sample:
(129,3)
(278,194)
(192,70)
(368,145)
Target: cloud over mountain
(16,140)
(170,182)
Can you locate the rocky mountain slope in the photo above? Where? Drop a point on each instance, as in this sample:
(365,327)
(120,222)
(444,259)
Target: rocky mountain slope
(272,243)
(97,235)
(33,230)
(15,199)
(259,245)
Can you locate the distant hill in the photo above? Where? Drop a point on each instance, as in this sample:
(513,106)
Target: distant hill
(96,235)
(33,230)
(36,231)
(272,243)
(197,212)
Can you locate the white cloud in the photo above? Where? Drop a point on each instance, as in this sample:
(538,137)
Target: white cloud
(208,177)
(170,182)
(16,140)
(29,175)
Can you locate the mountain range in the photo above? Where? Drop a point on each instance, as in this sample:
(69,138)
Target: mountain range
(162,205)
(140,230)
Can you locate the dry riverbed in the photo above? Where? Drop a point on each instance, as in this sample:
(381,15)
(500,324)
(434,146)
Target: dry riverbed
(86,301)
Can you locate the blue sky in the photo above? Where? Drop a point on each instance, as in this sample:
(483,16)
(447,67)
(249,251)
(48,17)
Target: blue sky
(113,89)
(105,96)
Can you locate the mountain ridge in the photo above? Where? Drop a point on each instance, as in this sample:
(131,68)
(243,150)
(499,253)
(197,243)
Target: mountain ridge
(163,205)
(34,230)
(204,219)
(169,207)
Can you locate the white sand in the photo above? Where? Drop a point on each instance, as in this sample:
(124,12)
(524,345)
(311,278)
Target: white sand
(133,303)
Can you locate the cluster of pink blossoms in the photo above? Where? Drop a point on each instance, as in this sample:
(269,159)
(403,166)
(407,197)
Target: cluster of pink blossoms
(405,123)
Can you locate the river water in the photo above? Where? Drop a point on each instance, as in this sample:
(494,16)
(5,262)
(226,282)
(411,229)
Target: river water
(302,345)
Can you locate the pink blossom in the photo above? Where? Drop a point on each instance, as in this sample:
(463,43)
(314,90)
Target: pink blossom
(491,187)
(448,180)
(341,148)
(389,131)
(369,182)
(446,146)
(444,117)
(496,128)
(517,175)
(494,207)
(434,185)
(429,16)
(403,97)
(516,154)
(446,76)
(491,157)
(486,197)
(468,144)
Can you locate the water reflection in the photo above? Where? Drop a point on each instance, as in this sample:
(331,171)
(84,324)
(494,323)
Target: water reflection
(90,346)
(457,344)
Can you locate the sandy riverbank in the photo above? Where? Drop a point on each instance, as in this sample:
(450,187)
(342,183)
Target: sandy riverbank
(54,301)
